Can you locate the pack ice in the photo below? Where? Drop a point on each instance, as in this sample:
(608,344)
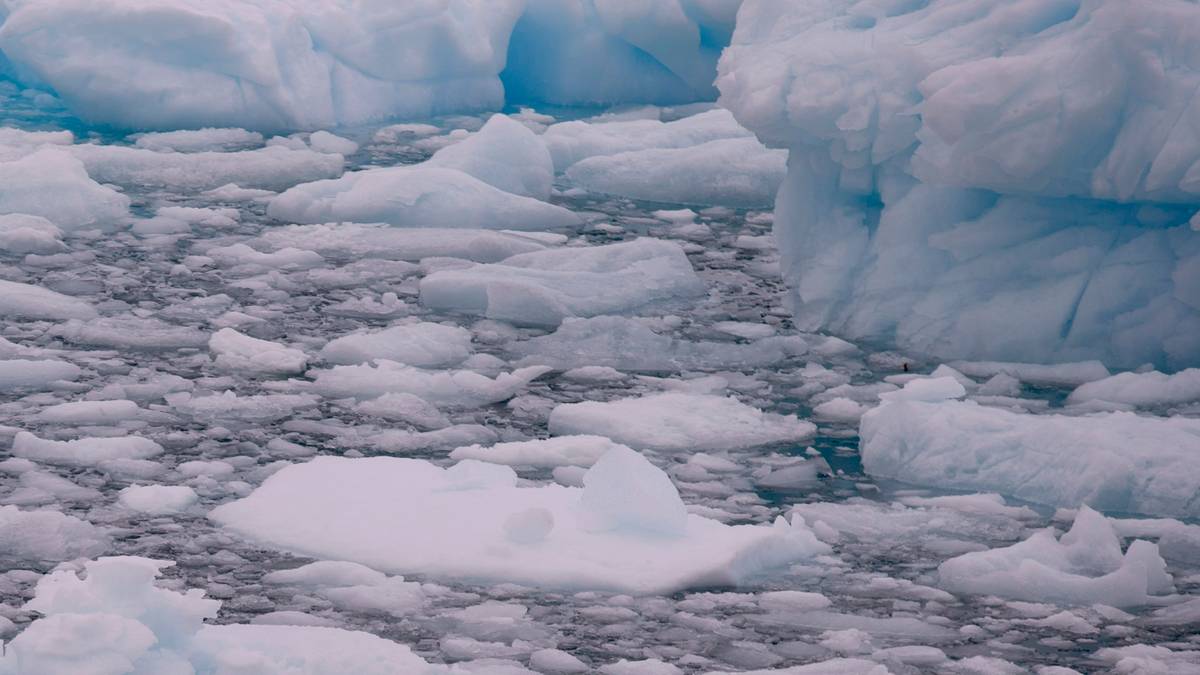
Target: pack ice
(999,180)
(625,530)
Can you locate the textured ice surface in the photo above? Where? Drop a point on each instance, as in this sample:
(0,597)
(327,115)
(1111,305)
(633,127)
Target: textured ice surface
(417,196)
(1085,566)
(957,172)
(504,154)
(53,184)
(283,64)
(117,621)
(378,241)
(545,287)
(571,142)
(1115,461)
(471,521)
(736,172)
(679,422)
(427,345)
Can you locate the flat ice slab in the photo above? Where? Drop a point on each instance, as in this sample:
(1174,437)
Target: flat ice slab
(417,196)
(545,287)
(1112,461)
(679,422)
(627,530)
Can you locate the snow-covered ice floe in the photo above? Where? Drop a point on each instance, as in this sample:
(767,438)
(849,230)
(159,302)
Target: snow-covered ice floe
(625,530)
(1008,181)
(544,287)
(117,621)
(1085,566)
(417,196)
(355,240)
(1114,461)
(679,422)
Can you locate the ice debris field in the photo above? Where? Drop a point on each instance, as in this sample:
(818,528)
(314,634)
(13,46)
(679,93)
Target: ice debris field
(648,337)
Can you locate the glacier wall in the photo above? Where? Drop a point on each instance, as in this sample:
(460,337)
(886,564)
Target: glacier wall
(309,64)
(1002,179)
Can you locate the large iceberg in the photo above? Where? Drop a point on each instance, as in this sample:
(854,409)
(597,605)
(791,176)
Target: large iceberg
(311,64)
(993,179)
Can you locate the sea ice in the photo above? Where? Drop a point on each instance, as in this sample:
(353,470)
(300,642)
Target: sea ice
(1142,389)
(425,345)
(571,142)
(545,287)
(736,172)
(83,451)
(242,353)
(53,184)
(631,345)
(358,241)
(22,233)
(198,140)
(17,374)
(272,167)
(549,452)
(417,196)
(1084,567)
(47,535)
(450,388)
(504,154)
(678,422)
(1114,461)
(609,535)
(157,500)
(117,621)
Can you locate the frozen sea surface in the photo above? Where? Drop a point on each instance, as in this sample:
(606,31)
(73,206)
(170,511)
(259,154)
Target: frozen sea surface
(152,374)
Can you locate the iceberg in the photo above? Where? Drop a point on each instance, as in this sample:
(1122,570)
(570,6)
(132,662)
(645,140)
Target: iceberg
(272,65)
(997,180)
(627,530)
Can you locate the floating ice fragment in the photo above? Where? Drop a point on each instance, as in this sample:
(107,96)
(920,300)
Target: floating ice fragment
(242,353)
(336,508)
(678,422)
(544,287)
(1083,567)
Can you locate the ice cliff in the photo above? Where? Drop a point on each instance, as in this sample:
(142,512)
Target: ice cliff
(1008,179)
(310,64)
